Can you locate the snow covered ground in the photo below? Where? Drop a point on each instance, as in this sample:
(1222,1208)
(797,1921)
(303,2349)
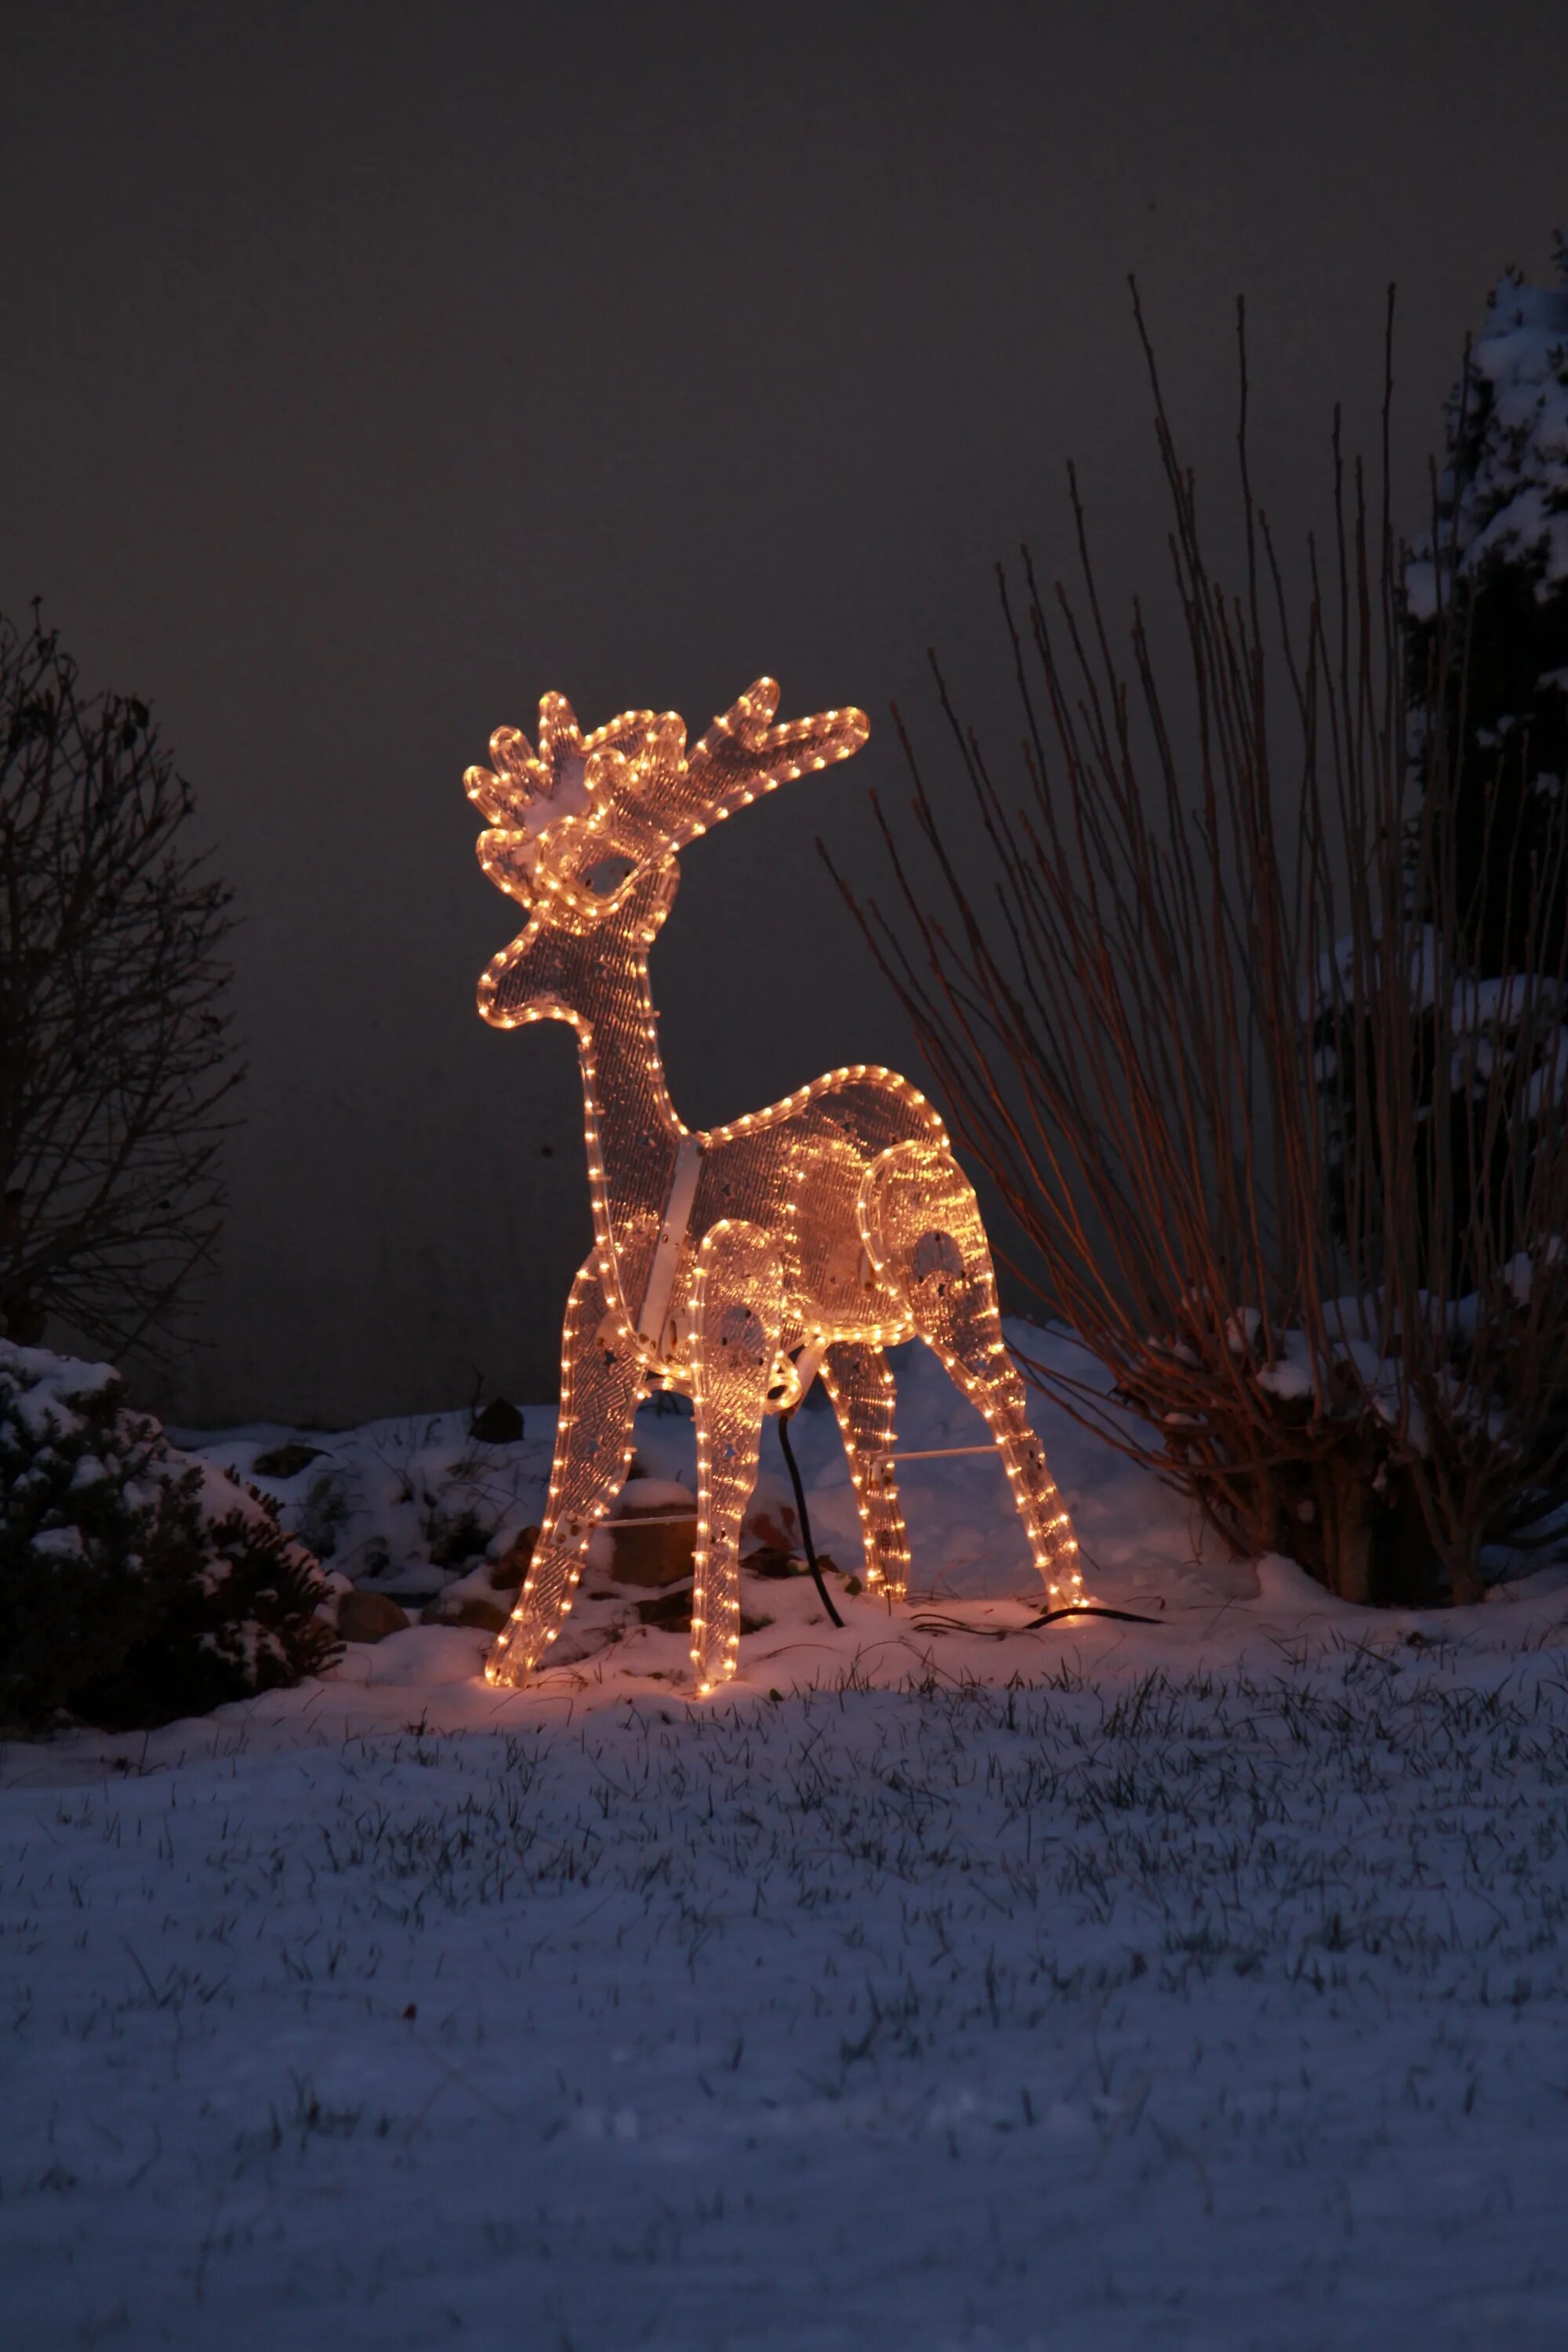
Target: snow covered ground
(1198,1984)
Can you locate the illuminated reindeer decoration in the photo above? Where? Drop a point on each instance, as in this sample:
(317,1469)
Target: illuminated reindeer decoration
(733,1265)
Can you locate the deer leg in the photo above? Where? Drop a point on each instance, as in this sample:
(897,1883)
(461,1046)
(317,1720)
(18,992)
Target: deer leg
(856,1378)
(601,1383)
(922,1227)
(737,1311)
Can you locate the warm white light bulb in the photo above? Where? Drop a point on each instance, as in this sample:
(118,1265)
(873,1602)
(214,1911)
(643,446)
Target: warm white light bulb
(632,789)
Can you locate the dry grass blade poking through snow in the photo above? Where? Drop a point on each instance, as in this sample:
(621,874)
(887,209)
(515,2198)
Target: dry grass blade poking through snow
(1294,1174)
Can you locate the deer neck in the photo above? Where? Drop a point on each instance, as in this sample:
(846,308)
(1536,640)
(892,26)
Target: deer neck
(630,1126)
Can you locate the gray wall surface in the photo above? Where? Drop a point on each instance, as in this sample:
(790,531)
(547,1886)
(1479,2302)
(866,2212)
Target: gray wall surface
(369,370)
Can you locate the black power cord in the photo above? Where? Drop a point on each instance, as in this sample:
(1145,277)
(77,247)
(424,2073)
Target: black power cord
(1089,1609)
(931,1625)
(784,1419)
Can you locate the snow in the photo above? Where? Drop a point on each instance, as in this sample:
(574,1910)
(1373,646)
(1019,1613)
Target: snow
(646,1495)
(1513,499)
(1192,1984)
(58,1543)
(1422,968)
(397,1504)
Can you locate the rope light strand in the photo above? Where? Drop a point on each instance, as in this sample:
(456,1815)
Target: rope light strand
(727,1264)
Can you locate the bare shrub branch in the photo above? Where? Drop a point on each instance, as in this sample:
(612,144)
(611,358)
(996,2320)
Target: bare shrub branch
(116,1064)
(1210,1029)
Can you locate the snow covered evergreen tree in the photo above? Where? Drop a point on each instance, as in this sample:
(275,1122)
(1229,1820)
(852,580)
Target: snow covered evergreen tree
(1486,619)
(1487,606)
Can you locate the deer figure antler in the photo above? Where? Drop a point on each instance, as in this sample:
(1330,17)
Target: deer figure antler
(732,1266)
(525,794)
(744,755)
(631,792)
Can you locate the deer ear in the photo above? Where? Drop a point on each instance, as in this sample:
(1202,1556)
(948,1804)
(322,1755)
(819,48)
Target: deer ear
(653,894)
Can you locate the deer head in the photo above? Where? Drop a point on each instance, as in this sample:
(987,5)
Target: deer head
(585,829)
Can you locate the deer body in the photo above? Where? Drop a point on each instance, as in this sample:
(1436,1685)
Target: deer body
(730,1264)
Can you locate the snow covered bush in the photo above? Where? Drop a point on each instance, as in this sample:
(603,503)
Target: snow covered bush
(1205,1031)
(135,1585)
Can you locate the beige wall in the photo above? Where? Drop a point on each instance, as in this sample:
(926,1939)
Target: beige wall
(366,375)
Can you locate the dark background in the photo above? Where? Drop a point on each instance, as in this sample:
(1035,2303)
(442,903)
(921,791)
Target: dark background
(369,370)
